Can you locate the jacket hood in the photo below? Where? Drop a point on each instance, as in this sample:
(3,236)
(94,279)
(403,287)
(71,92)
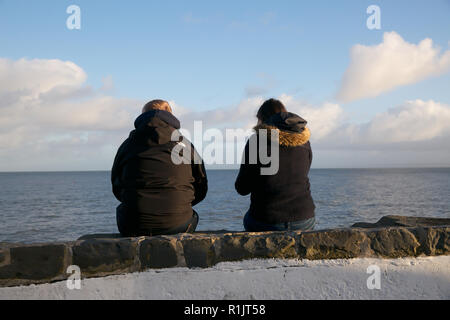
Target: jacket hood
(291,128)
(287,121)
(156,126)
(165,116)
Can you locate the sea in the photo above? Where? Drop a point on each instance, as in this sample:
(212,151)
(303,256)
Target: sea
(62,206)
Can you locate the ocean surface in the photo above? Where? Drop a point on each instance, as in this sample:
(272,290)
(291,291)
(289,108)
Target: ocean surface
(59,206)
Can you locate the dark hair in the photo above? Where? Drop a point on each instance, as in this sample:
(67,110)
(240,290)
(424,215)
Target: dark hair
(269,108)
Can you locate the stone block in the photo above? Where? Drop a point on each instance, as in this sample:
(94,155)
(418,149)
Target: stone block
(332,244)
(199,251)
(433,240)
(158,252)
(37,262)
(240,246)
(393,242)
(105,256)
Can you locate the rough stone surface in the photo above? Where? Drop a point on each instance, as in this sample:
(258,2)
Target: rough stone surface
(158,252)
(240,246)
(403,221)
(95,256)
(434,241)
(33,263)
(199,251)
(100,255)
(393,242)
(333,244)
(4,255)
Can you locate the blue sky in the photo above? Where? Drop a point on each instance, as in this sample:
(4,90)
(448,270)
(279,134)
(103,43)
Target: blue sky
(209,54)
(204,54)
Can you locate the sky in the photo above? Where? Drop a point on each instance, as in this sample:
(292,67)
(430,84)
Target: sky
(372,97)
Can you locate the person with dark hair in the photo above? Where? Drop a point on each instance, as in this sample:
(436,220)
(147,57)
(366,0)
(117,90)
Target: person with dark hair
(269,108)
(281,201)
(156,194)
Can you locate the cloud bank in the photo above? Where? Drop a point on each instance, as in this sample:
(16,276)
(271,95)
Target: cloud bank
(374,70)
(409,125)
(51,120)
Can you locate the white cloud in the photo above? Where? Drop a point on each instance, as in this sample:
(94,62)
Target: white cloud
(414,134)
(393,63)
(29,78)
(401,127)
(412,122)
(322,120)
(48,114)
(51,93)
(107,84)
(51,120)
(397,137)
(242,115)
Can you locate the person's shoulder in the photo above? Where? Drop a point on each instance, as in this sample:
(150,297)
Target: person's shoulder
(252,138)
(127,141)
(306,146)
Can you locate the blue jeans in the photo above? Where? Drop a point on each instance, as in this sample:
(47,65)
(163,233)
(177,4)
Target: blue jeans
(253,225)
(128,225)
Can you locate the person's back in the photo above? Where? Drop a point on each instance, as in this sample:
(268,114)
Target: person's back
(280,201)
(157,194)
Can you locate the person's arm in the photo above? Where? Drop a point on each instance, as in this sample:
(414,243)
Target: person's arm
(308,185)
(200,179)
(248,173)
(116,172)
(310,155)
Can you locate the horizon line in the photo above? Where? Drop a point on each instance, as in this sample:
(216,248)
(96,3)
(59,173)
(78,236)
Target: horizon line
(237,168)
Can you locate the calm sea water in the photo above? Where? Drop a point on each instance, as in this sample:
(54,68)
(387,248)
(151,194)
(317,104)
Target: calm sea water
(57,206)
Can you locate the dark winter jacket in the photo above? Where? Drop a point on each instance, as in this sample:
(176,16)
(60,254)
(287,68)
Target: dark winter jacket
(284,196)
(156,191)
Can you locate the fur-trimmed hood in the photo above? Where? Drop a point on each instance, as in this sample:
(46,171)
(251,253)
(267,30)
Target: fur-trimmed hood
(287,139)
(291,129)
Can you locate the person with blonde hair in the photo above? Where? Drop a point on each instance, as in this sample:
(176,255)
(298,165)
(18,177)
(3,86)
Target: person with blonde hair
(157,105)
(156,194)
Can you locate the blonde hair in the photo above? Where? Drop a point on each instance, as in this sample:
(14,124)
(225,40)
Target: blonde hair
(157,105)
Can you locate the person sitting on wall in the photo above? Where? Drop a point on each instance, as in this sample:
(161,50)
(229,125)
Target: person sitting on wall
(156,194)
(280,200)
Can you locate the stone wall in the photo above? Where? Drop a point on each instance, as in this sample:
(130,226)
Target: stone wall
(96,256)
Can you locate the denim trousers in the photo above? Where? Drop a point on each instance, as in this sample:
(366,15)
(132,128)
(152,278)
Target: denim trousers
(128,225)
(252,225)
